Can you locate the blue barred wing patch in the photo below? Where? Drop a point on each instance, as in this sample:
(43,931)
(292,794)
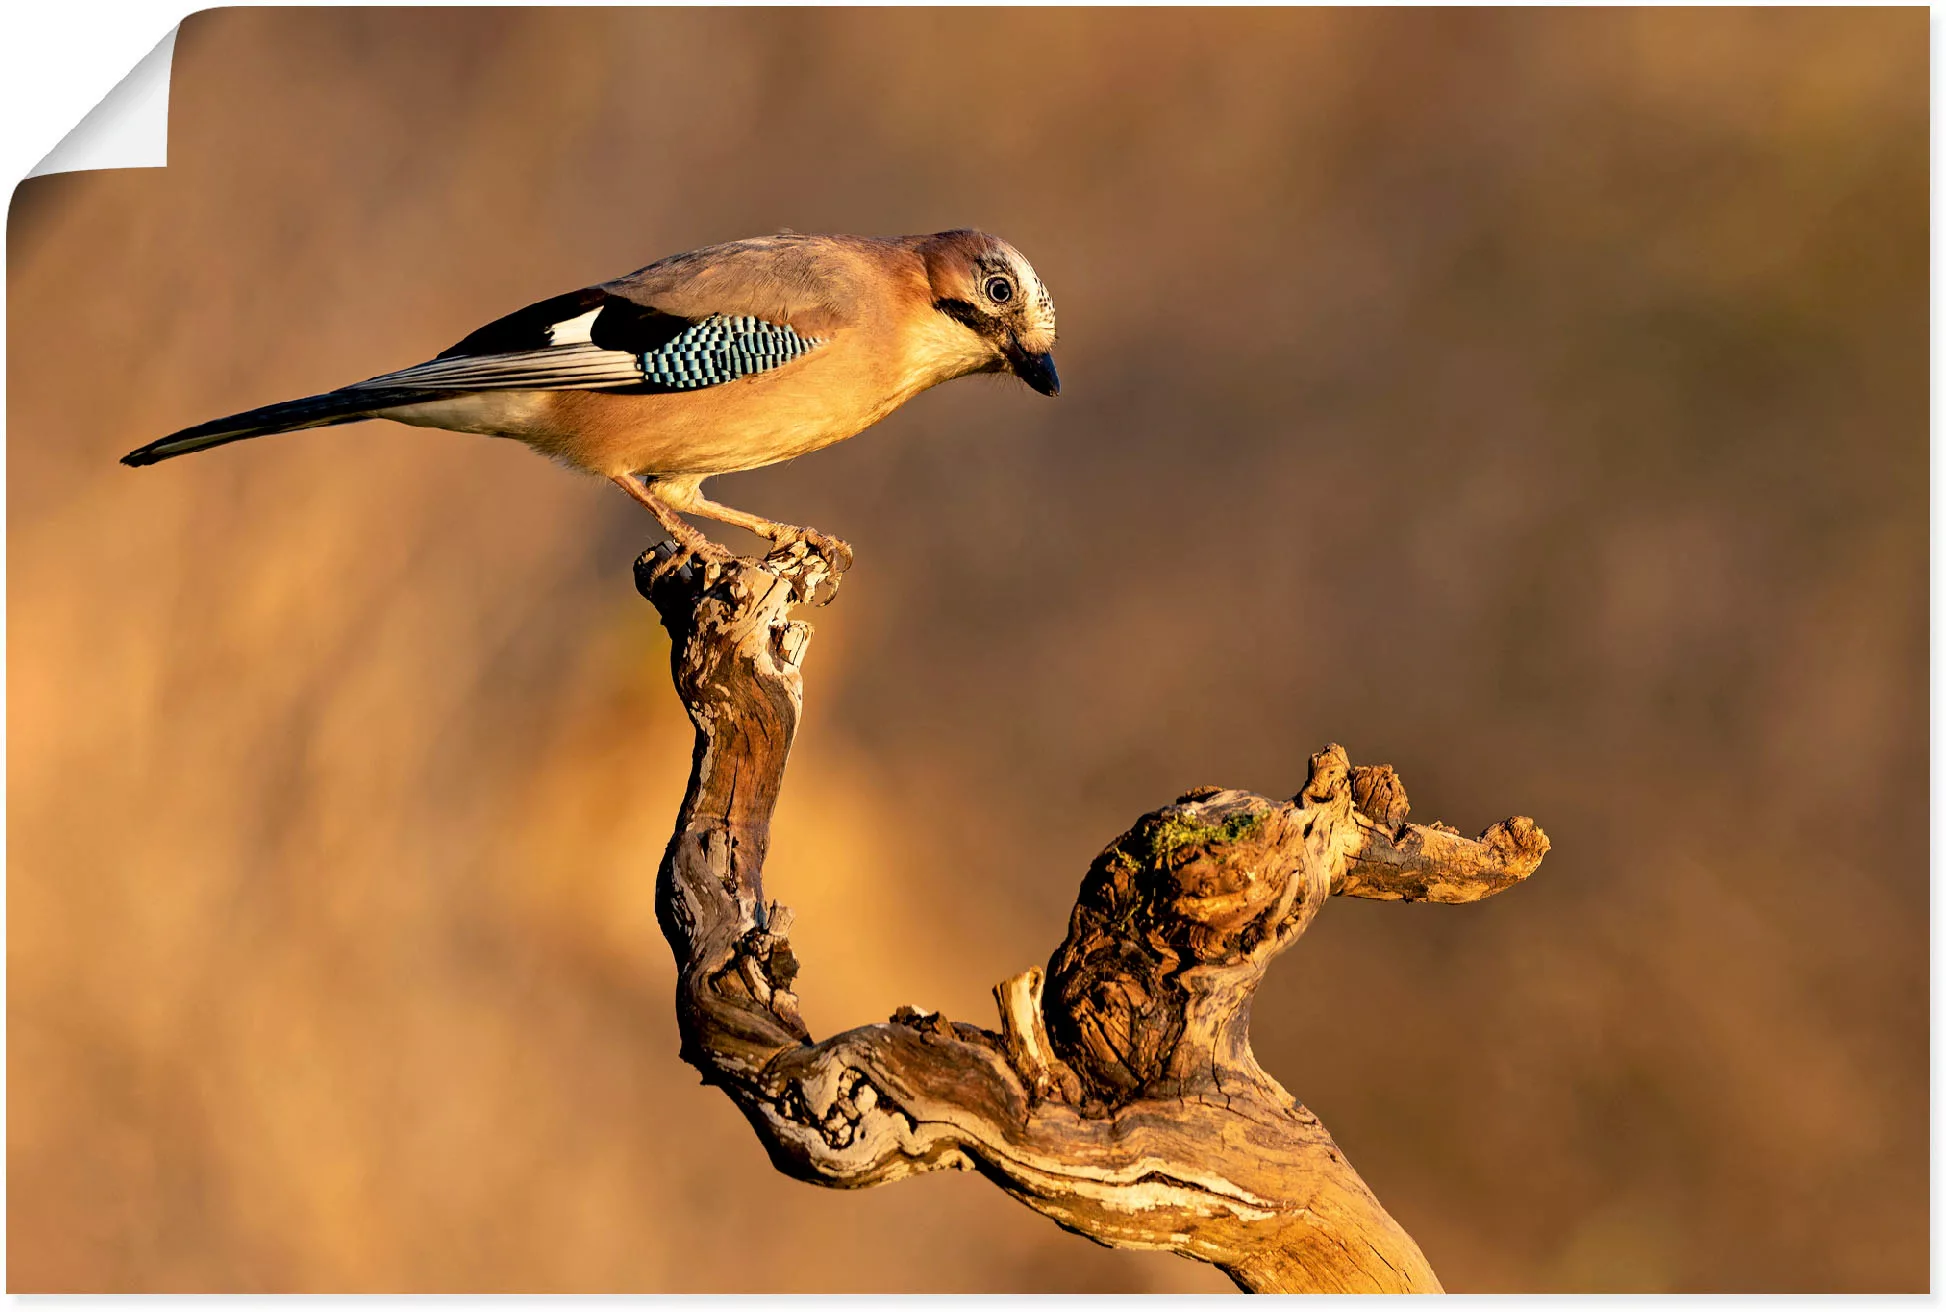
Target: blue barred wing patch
(722,348)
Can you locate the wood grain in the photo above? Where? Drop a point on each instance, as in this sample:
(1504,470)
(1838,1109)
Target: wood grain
(1119,1096)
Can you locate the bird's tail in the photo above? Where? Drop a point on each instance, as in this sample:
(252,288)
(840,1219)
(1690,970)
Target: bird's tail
(347,405)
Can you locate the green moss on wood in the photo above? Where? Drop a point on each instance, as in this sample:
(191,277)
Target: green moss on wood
(1177,831)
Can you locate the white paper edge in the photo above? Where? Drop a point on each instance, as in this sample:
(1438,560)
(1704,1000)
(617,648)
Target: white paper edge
(129,129)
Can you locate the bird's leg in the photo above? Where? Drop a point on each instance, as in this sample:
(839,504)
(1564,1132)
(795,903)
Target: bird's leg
(689,542)
(690,498)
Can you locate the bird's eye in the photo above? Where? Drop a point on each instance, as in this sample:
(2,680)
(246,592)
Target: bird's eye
(999,290)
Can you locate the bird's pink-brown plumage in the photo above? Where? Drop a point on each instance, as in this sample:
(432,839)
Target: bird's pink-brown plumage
(836,333)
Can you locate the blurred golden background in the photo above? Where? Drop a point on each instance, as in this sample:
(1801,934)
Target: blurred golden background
(1536,400)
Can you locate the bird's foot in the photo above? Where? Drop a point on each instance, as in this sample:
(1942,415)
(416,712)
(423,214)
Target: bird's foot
(836,551)
(812,561)
(811,564)
(703,557)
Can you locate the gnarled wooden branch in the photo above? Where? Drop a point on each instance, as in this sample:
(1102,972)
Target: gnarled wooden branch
(1119,1096)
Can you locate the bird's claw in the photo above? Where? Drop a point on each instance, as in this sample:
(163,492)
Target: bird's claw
(701,556)
(836,551)
(811,561)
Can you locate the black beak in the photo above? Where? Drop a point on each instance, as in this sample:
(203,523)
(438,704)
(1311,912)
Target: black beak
(1037,371)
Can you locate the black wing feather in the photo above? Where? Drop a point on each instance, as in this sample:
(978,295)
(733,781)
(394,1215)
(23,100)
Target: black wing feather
(622,325)
(625,325)
(526,329)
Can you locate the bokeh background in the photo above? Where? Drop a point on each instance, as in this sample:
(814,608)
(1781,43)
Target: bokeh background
(1534,400)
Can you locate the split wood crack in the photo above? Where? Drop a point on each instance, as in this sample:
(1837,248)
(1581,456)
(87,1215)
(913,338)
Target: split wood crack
(1120,1097)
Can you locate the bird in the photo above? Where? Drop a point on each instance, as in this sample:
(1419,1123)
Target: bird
(721,359)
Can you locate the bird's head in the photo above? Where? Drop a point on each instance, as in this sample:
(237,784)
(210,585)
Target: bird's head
(990,290)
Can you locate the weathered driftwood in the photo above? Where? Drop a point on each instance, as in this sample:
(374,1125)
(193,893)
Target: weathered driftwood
(1119,1096)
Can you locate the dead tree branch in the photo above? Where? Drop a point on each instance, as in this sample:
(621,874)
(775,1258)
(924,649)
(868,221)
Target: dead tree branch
(1119,1096)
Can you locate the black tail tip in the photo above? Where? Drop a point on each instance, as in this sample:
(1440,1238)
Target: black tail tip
(139,457)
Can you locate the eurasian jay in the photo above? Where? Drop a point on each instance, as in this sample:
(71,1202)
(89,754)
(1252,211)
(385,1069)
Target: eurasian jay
(722,359)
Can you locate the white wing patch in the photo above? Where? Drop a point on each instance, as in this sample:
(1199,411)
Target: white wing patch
(578,329)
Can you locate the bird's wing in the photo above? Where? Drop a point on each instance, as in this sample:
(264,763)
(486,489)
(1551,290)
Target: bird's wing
(683,357)
(697,320)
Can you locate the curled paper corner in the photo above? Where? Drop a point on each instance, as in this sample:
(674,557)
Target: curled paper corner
(129,129)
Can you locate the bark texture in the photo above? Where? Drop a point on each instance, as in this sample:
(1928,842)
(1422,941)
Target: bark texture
(1119,1095)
